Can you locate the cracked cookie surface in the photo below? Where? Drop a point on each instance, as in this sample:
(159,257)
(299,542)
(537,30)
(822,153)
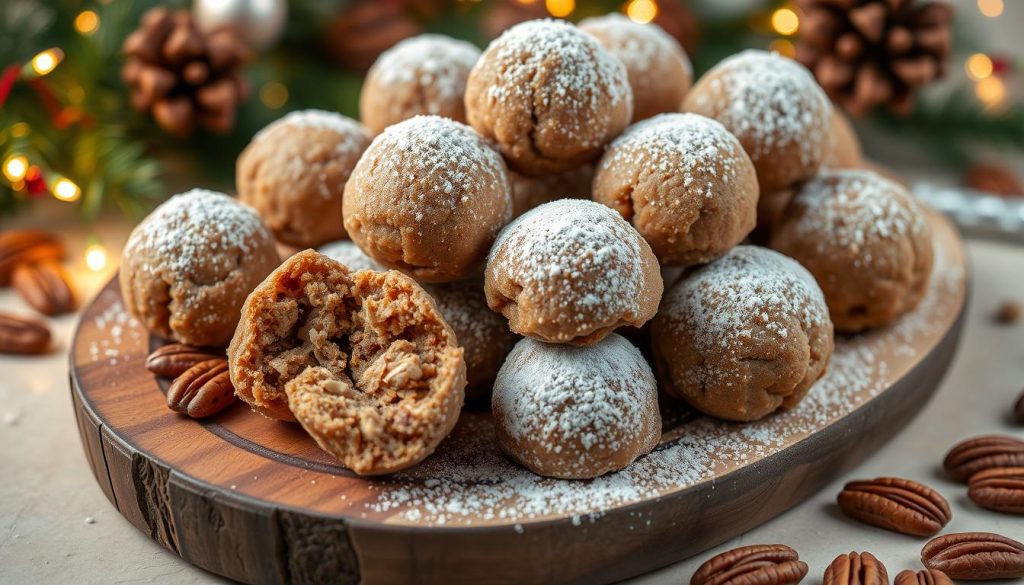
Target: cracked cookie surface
(363,361)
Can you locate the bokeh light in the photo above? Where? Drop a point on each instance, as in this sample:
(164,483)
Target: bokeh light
(979,66)
(990,8)
(560,8)
(642,11)
(785,21)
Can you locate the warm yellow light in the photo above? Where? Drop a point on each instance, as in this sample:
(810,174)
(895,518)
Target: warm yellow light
(273,94)
(47,61)
(990,8)
(979,66)
(15,168)
(642,11)
(991,91)
(560,8)
(87,22)
(65,190)
(785,21)
(526,2)
(783,47)
(95,257)
(19,130)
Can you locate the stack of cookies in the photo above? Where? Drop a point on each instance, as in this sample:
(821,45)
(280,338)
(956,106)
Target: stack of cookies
(498,216)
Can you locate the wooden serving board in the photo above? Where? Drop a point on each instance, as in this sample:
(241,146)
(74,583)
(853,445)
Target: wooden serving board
(255,500)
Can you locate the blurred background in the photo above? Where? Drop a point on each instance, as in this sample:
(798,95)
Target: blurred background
(87,141)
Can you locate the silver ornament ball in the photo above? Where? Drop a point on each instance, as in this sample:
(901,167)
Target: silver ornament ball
(259,23)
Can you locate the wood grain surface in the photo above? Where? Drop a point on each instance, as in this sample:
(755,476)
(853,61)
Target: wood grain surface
(255,500)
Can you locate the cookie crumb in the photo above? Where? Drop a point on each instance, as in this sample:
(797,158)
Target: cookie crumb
(90,520)
(11,419)
(1008,313)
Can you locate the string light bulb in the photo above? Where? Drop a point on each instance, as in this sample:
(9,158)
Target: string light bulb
(65,190)
(87,22)
(560,8)
(642,11)
(15,168)
(273,94)
(785,21)
(783,47)
(979,66)
(47,61)
(991,8)
(95,257)
(991,91)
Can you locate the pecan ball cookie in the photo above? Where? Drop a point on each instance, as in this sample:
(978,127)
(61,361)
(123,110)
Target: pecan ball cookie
(867,242)
(844,151)
(427,198)
(576,412)
(685,184)
(776,109)
(550,96)
(188,267)
(363,361)
(659,71)
(425,74)
(743,336)
(294,171)
(571,271)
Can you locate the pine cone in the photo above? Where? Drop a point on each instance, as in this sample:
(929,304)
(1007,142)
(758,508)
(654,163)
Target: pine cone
(867,53)
(187,78)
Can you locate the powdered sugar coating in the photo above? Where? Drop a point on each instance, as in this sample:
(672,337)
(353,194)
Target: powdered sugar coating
(776,109)
(435,61)
(642,45)
(576,412)
(352,131)
(571,270)
(428,197)
(349,254)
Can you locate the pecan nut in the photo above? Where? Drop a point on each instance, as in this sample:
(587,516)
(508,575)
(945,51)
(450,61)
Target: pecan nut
(895,504)
(759,564)
(972,455)
(23,335)
(203,390)
(25,247)
(975,556)
(174,359)
(856,569)
(44,286)
(922,577)
(999,488)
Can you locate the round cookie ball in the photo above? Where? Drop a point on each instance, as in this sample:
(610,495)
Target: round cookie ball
(349,254)
(866,241)
(363,361)
(425,74)
(685,184)
(844,150)
(482,333)
(776,109)
(294,171)
(743,336)
(659,71)
(571,271)
(549,95)
(188,267)
(576,412)
(529,192)
(427,198)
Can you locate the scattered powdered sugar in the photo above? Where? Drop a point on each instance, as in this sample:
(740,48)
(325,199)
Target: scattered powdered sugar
(439,162)
(695,146)
(349,254)
(352,132)
(580,242)
(436,62)
(576,404)
(773,102)
(575,66)
(748,288)
(856,210)
(115,324)
(639,46)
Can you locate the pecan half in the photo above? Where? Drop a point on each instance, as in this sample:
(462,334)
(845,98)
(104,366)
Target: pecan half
(975,556)
(203,390)
(759,564)
(44,286)
(922,577)
(26,246)
(856,569)
(999,488)
(895,504)
(23,335)
(972,455)
(174,359)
